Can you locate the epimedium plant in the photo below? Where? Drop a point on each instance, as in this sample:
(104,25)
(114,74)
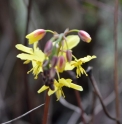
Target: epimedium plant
(56,58)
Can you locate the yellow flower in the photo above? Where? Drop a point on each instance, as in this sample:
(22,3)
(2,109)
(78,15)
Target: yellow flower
(36,35)
(35,55)
(58,87)
(77,63)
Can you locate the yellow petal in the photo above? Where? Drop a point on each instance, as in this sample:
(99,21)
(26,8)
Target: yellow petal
(39,55)
(35,46)
(24,56)
(24,48)
(69,66)
(69,80)
(50,92)
(88,58)
(72,41)
(58,94)
(76,87)
(64,82)
(42,89)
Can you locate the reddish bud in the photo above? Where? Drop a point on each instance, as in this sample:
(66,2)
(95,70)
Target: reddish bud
(61,63)
(54,61)
(48,48)
(84,36)
(69,55)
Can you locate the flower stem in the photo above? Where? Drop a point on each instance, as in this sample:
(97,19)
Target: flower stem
(50,31)
(46,108)
(73,30)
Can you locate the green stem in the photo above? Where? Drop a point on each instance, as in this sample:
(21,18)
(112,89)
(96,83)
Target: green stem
(50,31)
(55,51)
(73,30)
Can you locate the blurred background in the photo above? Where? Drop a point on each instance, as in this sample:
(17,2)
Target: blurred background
(18,91)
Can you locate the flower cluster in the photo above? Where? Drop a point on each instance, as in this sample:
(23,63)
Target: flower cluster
(56,58)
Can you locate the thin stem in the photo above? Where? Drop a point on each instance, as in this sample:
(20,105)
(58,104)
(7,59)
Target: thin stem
(23,115)
(50,31)
(94,84)
(115,59)
(73,30)
(46,108)
(93,108)
(80,106)
(74,57)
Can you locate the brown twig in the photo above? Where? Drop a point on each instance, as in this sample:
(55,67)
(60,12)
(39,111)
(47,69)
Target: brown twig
(115,59)
(80,106)
(94,84)
(19,117)
(93,108)
(25,66)
(72,74)
(46,108)
(27,21)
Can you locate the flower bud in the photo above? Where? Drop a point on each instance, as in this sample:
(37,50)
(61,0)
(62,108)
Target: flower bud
(36,35)
(45,63)
(48,48)
(61,63)
(84,36)
(69,55)
(54,61)
(52,73)
(46,73)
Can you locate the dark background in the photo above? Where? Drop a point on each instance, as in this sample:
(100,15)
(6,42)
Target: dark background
(18,91)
